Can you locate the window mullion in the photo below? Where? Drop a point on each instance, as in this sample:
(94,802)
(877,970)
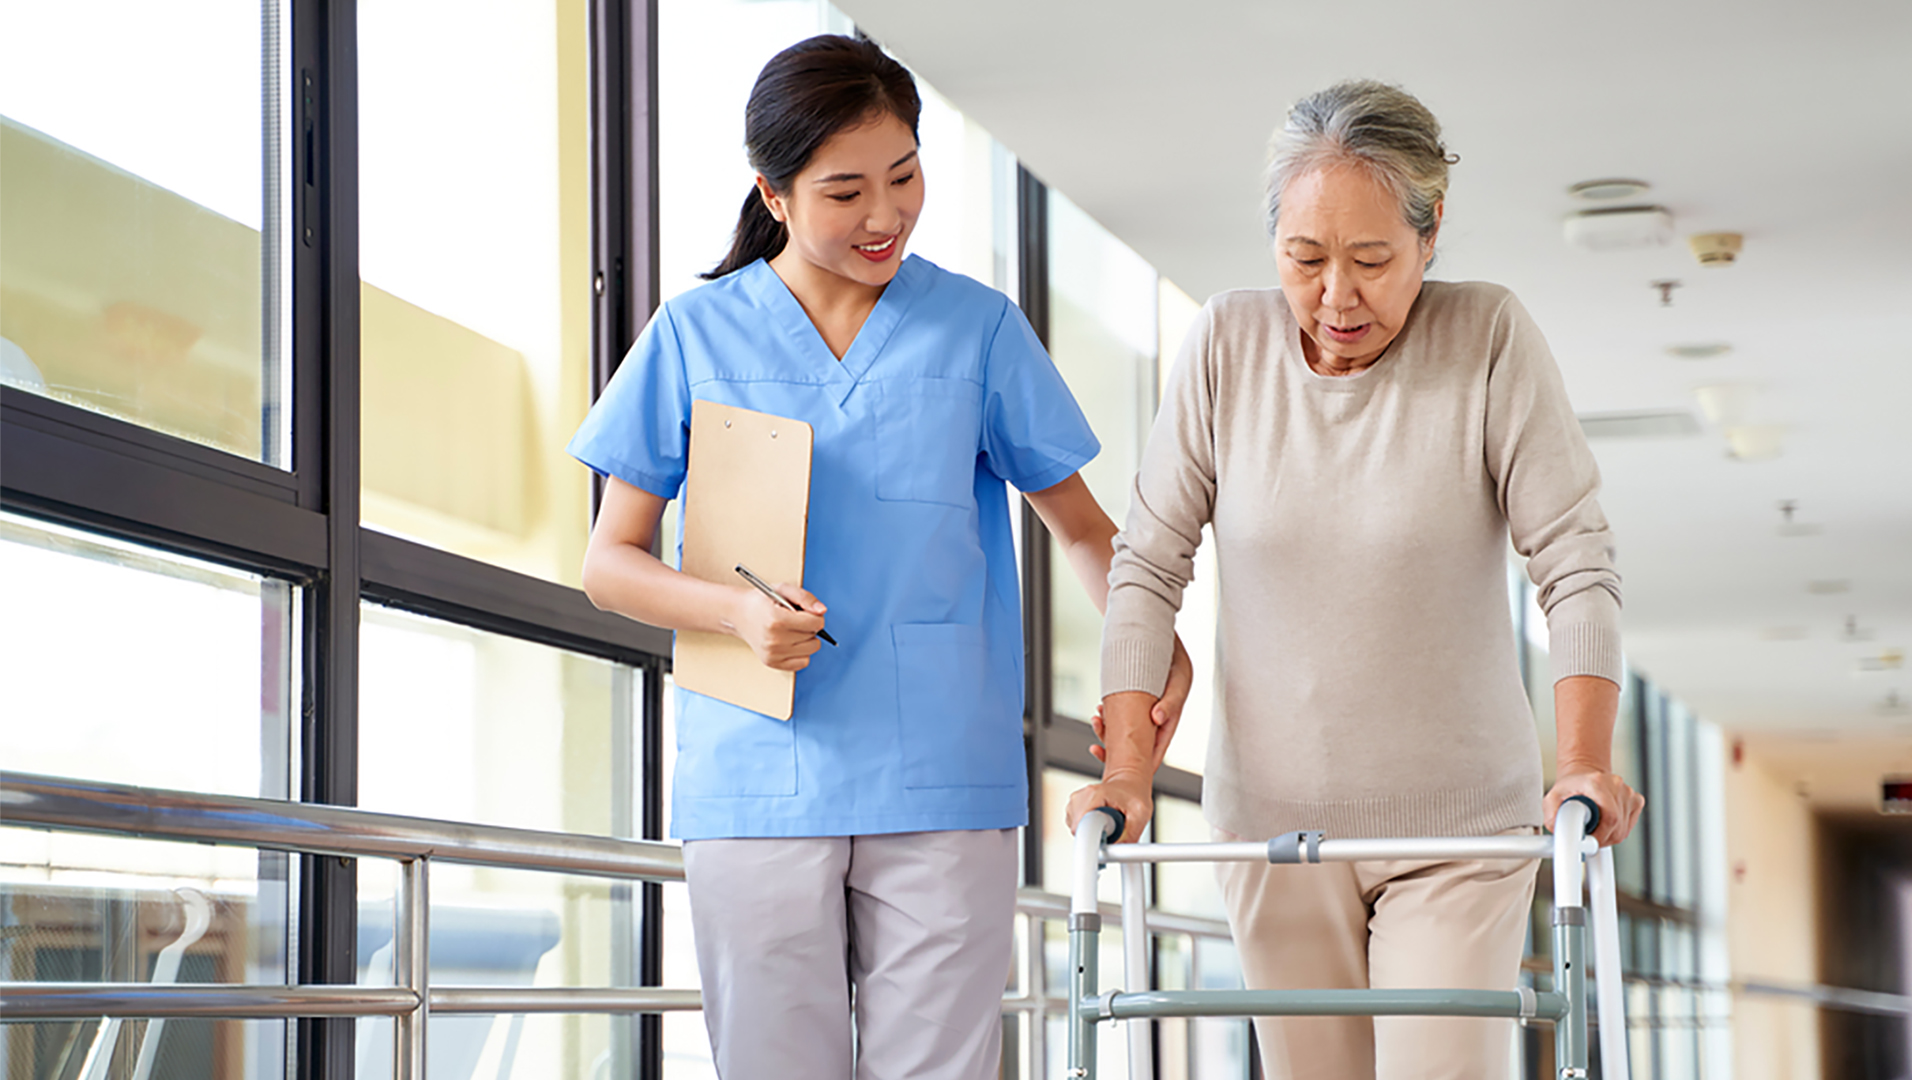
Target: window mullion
(326,447)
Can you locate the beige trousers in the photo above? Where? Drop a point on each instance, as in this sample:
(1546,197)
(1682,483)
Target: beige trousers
(1393,925)
(873,957)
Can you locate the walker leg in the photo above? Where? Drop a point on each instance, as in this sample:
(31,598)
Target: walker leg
(1084,937)
(1085,931)
(1135,965)
(1570,978)
(1608,987)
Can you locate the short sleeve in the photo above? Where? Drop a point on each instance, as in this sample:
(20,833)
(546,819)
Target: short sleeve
(639,430)
(1034,433)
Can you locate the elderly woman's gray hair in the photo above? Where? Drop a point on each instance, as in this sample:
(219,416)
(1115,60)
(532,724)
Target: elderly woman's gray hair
(1381,128)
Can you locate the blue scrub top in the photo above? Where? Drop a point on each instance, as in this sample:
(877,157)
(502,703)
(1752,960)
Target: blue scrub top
(915,722)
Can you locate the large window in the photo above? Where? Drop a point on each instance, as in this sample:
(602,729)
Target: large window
(473,726)
(475,321)
(1104,338)
(143,270)
(125,664)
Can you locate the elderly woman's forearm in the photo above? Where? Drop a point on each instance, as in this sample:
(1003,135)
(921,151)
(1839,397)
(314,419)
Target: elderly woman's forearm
(1128,734)
(1585,707)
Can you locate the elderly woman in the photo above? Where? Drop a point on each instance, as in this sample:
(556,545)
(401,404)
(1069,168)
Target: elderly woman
(1364,444)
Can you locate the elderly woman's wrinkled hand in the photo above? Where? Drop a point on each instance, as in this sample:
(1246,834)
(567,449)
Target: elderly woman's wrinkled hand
(1130,792)
(1620,805)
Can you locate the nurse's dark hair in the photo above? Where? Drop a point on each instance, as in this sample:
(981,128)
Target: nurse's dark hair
(805,94)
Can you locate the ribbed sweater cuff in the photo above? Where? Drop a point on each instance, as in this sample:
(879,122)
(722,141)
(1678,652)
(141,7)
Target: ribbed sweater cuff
(1586,649)
(1139,663)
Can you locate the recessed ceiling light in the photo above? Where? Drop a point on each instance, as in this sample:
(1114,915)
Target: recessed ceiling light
(1619,228)
(1727,404)
(1754,442)
(1608,189)
(1699,350)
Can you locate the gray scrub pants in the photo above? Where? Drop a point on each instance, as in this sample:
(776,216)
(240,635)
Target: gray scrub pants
(880,957)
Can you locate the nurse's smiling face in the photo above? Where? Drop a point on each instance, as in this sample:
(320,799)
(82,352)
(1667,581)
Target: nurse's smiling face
(850,211)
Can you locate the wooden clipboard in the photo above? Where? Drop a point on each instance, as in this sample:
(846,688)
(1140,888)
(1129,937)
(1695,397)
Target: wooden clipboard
(746,500)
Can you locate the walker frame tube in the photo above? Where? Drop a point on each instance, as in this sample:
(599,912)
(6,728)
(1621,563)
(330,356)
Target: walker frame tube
(1577,861)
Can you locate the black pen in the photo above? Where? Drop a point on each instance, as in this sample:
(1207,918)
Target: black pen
(764,587)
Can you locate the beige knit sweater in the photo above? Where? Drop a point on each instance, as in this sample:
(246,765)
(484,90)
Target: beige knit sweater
(1369,683)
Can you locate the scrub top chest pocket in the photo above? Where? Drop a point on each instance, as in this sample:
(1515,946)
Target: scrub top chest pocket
(928,434)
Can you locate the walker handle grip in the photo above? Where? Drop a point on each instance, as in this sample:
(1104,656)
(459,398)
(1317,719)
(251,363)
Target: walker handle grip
(1593,811)
(1118,822)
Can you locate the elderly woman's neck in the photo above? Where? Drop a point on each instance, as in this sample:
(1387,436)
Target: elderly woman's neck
(1325,363)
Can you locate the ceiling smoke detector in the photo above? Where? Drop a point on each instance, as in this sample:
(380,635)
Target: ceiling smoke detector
(1716,249)
(1620,228)
(1609,189)
(1889,659)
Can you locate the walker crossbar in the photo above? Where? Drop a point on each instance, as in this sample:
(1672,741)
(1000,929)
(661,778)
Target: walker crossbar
(1577,861)
(1509,1004)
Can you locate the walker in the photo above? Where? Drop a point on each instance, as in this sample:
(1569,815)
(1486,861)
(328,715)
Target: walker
(1564,1006)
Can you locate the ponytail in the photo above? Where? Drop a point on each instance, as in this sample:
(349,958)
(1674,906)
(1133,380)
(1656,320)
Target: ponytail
(758,236)
(804,95)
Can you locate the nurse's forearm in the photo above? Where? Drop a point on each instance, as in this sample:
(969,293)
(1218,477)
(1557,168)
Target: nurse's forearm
(621,574)
(632,582)
(1083,532)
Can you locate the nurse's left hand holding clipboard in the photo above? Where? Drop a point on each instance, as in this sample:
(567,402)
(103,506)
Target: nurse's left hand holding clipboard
(621,575)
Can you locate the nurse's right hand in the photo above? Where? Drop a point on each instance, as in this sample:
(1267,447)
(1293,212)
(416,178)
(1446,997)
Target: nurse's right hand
(781,638)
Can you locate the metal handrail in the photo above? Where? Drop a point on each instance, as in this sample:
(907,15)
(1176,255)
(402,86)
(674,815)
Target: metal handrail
(415,843)
(134,1001)
(91,806)
(156,813)
(86,1001)
(1048,905)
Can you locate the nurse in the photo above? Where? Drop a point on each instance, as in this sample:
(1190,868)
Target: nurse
(852,871)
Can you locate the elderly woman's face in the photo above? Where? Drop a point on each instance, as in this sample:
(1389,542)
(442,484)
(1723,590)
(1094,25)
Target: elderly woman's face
(1350,265)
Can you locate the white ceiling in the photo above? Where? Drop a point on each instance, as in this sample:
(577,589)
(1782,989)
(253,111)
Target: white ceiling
(1789,122)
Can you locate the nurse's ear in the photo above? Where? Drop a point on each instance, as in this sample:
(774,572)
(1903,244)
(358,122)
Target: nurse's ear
(772,201)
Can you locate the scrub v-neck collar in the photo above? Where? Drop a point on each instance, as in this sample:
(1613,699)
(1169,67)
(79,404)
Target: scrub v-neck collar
(806,342)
